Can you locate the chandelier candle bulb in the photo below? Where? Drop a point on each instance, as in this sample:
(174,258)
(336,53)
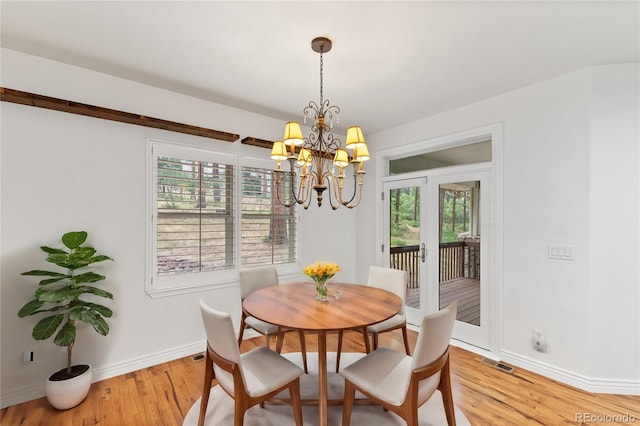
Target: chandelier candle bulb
(304,159)
(341,158)
(361,154)
(293,135)
(279,152)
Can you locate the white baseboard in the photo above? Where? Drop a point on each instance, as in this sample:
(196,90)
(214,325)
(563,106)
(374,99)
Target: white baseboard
(31,392)
(608,386)
(150,360)
(474,349)
(22,394)
(589,384)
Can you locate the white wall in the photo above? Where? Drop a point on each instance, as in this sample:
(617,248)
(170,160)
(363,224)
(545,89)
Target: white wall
(570,177)
(614,199)
(63,172)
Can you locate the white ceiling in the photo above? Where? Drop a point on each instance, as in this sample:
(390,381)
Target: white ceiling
(391,62)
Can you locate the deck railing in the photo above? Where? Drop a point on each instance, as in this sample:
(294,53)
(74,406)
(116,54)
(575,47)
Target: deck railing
(407,258)
(457,260)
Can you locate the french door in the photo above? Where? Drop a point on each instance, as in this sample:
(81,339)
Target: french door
(436,229)
(405,242)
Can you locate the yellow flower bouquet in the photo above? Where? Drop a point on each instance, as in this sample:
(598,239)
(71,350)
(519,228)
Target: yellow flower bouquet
(320,272)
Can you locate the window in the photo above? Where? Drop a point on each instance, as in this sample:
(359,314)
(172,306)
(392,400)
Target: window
(205,226)
(268,228)
(195,216)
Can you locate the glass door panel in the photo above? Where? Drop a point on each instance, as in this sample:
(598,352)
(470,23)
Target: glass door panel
(459,249)
(405,238)
(458,271)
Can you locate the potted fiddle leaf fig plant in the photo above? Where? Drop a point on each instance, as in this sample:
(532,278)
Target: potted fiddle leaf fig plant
(58,297)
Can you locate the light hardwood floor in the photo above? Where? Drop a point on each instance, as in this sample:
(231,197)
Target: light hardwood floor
(465,290)
(162,395)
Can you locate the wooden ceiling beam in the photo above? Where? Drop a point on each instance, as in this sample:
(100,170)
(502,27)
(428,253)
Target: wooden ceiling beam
(40,101)
(262,143)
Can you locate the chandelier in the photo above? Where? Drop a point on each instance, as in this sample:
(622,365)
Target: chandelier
(316,158)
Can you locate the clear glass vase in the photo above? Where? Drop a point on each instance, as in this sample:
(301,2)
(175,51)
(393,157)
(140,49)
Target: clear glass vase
(321,289)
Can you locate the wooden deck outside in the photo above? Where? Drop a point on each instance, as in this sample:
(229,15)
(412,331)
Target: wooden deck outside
(465,290)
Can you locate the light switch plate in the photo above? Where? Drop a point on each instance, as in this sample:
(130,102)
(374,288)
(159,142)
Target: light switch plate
(560,252)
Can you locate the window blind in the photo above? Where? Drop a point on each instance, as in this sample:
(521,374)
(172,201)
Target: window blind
(195,216)
(269,231)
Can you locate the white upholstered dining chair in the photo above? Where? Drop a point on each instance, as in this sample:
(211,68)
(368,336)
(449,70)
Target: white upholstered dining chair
(401,383)
(249,378)
(395,281)
(255,279)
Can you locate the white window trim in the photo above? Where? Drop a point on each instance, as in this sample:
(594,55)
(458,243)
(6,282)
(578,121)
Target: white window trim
(190,283)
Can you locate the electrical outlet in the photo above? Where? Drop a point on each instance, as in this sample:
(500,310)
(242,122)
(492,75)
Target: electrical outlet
(539,343)
(27,357)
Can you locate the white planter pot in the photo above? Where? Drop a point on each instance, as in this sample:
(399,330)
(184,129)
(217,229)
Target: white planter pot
(65,394)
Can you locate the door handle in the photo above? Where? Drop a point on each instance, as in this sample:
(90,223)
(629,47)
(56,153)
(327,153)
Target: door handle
(423,256)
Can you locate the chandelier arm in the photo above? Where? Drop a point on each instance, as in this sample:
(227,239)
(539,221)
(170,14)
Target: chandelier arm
(297,198)
(357,189)
(349,205)
(332,183)
(293,175)
(313,181)
(304,188)
(292,179)
(307,203)
(306,200)
(357,175)
(279,182)
(355,186)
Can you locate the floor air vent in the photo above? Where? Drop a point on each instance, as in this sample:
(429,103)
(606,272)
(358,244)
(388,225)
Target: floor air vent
(498,365)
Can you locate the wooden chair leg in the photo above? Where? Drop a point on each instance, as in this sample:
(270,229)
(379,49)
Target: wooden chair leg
(238,415)
(243,325)
(339,351)
(405,337)
(279,340)
(296,403)
(412,417)
(206,389)
(303,349)
(447,398)
(349,396)
(365,336)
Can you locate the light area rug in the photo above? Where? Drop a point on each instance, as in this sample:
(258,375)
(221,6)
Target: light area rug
(220,408)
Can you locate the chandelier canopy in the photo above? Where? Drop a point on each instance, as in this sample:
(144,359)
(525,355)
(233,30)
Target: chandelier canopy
(316,157)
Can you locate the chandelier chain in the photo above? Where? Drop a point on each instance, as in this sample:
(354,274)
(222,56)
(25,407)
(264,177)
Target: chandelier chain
(321,82)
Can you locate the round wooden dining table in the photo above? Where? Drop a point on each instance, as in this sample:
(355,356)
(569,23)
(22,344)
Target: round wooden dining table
(294,306)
